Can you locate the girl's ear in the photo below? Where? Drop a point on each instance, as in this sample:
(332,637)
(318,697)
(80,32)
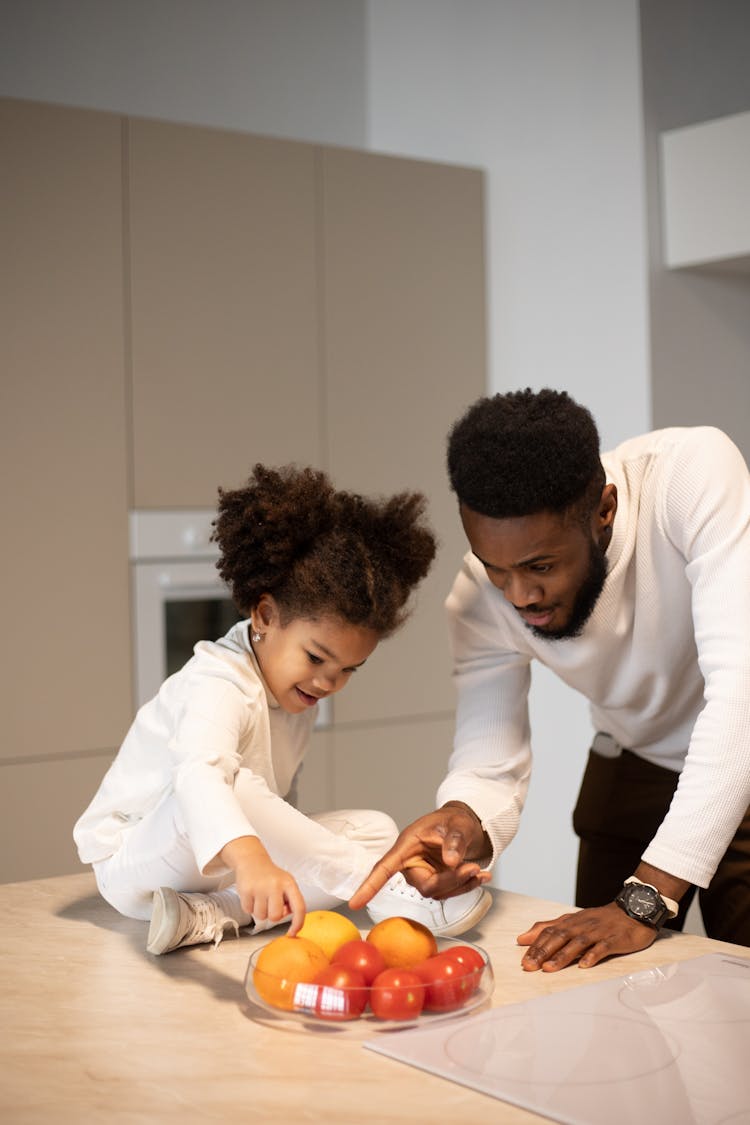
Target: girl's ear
(265,614)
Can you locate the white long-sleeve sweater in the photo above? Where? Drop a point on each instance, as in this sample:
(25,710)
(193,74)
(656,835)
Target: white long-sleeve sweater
(664,659)
(209,719)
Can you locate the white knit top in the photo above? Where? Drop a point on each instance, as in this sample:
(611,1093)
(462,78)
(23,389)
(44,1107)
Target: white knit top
(664,659)
(209,719)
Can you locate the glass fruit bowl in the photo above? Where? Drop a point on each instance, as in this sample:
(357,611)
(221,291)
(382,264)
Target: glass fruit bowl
(344,1010)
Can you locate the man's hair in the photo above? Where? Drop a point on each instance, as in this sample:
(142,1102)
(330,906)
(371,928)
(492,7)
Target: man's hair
(526,452)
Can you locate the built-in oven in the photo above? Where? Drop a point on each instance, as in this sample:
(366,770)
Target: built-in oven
(178,597)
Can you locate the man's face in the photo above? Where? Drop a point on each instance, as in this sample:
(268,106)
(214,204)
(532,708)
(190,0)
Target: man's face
(551,569)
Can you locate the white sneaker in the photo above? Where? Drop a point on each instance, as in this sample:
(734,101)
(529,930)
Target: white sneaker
(445,917)
(179,918)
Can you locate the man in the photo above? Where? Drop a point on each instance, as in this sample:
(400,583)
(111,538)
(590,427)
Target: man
(629,576)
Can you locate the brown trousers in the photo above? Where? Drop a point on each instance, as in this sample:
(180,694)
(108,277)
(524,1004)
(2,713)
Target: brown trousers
(622,802)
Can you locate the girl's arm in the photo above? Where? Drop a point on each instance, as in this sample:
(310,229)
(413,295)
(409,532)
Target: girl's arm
(266,891)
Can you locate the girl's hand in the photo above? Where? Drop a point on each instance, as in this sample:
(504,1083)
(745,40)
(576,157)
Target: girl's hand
(266,891)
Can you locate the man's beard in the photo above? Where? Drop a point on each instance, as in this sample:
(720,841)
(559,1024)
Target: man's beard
(585,599)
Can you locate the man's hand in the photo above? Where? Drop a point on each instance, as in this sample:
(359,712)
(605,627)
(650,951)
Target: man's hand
(587,936)
(439,854)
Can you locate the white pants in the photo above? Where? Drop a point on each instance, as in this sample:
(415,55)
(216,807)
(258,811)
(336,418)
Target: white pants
(329,854)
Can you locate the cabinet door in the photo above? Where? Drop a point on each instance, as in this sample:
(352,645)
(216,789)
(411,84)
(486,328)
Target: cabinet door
(404,303)
(66,679)
(225,356)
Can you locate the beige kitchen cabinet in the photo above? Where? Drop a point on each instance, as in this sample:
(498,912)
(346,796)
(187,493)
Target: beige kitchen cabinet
(178,303)
(40,800)
(66,679)
(224,310)
(392,766)
(404,309)
(66,684)
(317,305)
(395,767)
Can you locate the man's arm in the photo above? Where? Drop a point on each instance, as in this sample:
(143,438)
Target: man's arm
(445,852)
(588,936)
(440,854)
(705,513)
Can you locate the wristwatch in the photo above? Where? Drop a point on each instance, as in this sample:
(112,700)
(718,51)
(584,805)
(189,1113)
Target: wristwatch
(645,903)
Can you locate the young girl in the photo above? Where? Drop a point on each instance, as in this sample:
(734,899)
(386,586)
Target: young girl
(189,826)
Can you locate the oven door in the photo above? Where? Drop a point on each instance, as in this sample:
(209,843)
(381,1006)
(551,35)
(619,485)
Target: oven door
(176,604)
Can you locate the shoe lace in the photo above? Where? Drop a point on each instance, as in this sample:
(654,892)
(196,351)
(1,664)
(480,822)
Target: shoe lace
(400,886)
(207,924)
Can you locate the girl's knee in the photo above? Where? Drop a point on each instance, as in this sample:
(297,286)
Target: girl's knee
(126,900)
(378,829)
(371,828)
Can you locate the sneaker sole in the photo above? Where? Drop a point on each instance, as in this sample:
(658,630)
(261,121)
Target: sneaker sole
(459,926)
(162,924)
(468,921)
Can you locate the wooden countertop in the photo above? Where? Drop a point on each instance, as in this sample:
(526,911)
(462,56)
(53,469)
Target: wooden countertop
(95,1029)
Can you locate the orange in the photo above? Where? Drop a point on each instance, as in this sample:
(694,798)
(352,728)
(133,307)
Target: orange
(328,930)
(403,942)
(283,964)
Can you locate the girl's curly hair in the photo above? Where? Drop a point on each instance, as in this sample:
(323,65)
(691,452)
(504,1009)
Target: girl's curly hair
(520,453)
(320,552)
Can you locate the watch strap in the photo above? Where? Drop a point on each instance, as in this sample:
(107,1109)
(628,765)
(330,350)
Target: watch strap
(671,905)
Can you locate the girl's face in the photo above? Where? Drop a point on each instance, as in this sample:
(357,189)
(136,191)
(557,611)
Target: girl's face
(309,658)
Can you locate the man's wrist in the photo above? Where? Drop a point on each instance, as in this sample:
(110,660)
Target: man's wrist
(464,807)
(485,847)
(671,904)
(668,885)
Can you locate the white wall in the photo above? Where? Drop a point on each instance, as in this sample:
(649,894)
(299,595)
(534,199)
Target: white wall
(700,318)
(542,94)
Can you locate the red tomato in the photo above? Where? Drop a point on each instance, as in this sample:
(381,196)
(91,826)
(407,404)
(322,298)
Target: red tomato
(470,958)
(465,955)
(341,993)
(397,994)
(362,956)
(448,984)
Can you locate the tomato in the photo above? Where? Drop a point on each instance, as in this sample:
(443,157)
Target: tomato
(397,994)
(465,955)
(448,983)
(362,956)
(339,993)
(470,958)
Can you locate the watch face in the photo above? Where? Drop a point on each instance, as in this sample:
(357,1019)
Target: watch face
(642,901)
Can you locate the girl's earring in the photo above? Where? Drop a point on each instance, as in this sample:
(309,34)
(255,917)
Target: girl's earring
(255,636)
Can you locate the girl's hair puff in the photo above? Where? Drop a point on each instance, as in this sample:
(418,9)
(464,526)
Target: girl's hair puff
(320,552)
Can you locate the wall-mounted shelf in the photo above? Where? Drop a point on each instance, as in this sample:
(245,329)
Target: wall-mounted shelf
(706,195)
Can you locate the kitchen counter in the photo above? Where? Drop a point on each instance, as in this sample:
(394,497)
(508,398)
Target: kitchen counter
(96,1029)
